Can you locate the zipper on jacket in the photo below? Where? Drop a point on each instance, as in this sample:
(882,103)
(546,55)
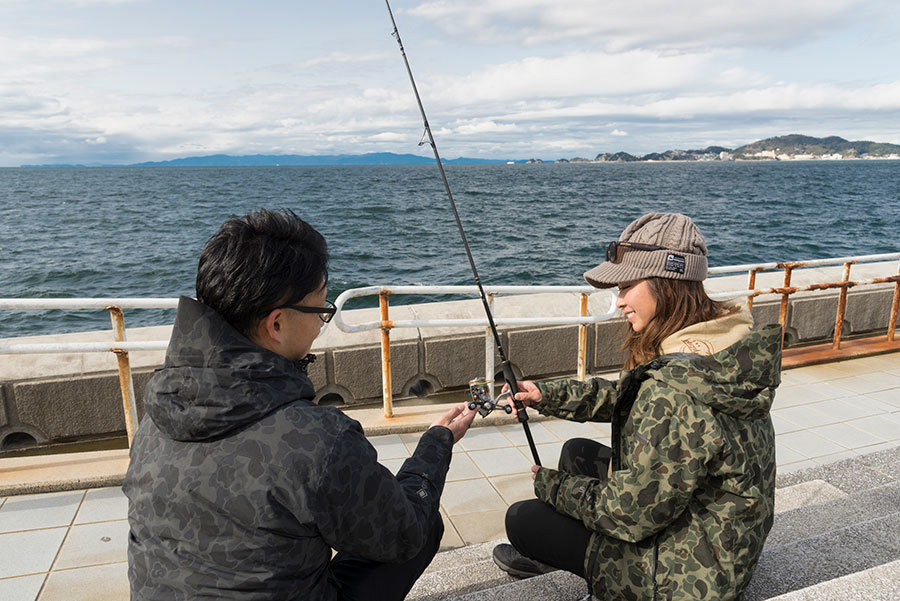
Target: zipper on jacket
(655,562)
(590,570)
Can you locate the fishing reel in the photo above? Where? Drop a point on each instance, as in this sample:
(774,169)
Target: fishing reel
(481,398)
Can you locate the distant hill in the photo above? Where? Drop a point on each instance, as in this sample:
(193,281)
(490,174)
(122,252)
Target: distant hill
(617,157)
(799,145)
(791,147)
(784,148)
(257,160)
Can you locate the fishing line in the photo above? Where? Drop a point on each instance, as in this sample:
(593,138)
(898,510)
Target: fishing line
(508,374)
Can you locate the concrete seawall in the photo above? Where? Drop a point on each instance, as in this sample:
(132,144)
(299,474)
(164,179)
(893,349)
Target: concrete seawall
(60,397)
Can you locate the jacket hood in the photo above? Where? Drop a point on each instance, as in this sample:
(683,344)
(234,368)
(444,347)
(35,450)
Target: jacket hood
(739,380)
(710,337)
(215,380)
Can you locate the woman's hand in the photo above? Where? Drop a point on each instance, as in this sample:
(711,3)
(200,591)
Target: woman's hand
(528,394)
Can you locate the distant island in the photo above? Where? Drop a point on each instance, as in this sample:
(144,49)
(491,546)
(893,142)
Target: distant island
(255,160)
(794,147)
(285,160)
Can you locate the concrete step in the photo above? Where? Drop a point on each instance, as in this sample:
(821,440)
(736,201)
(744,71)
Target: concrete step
(881,583)
(555,586)
(459,581)
(820,534)
(818,559)
(805,493)
(463,556)
(819,518)
(459,571)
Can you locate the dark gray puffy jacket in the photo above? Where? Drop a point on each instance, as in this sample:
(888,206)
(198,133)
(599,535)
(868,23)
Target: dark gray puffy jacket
(239,486)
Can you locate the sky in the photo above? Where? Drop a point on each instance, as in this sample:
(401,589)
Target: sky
(124,81)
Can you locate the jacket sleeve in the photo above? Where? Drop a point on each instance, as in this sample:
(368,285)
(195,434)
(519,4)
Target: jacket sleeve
(591,400)
(364,510)
(670,451)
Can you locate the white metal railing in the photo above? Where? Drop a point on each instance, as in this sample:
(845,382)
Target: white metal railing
(583,319)
(120,347)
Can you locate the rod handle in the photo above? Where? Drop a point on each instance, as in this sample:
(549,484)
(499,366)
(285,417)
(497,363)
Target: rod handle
(521,412)
(510,378)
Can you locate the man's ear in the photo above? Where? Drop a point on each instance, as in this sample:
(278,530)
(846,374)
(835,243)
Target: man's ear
(270,329)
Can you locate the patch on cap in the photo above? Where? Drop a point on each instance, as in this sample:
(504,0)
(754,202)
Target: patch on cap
(675,263)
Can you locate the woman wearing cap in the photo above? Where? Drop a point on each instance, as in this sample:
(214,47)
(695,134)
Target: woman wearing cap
(680,505)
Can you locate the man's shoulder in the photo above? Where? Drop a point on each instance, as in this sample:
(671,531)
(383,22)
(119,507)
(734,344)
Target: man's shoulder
(305,412)
(326,425)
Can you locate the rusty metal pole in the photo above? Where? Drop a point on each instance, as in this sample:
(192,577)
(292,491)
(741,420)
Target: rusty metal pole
(842,308)
(489,351)
(582,339)
(751,286)
(895,307)
(386,388)
(782,315)
(126,384)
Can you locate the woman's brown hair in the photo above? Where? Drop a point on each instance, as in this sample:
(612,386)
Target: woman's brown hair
(679,304)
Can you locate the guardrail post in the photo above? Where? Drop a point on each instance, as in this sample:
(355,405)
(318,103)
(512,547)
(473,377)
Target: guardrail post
(489,351)
(842,307)
(126,384)
(386,388)
(582,339)
(895,307)
(782,314)
(751,285)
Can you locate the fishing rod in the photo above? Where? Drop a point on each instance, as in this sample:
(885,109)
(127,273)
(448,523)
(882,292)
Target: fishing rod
(508,374)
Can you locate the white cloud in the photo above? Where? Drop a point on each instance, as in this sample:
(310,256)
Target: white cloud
(30,48)
(389,136)
(624,24)
(479,127)
(595,74)
(343,57)
(560,76)
(781,98)
(31,58)
(89,3)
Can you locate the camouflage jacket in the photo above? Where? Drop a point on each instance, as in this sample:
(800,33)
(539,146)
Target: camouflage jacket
(690,498)
(240,486)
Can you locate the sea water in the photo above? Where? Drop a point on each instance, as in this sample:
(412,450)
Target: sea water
(138,231)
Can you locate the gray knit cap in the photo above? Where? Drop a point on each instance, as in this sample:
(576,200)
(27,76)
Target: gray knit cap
(683,256)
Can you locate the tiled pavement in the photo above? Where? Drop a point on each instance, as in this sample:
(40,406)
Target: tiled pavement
(71,545)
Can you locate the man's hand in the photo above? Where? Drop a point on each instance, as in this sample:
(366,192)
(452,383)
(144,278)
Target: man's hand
(528,394)
(457,420)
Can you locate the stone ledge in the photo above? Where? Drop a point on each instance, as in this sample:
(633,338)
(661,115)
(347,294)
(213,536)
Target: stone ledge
(73,471)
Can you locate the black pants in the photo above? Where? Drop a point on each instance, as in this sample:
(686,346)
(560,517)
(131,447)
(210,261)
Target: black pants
(538,531)
(367,580)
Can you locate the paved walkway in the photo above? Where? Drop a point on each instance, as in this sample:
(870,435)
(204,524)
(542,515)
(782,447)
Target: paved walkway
(71,545)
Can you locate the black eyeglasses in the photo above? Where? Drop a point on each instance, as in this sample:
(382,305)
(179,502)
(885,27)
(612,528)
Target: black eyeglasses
(326,314)
(616,250)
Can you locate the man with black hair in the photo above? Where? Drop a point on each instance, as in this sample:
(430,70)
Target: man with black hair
(240,486)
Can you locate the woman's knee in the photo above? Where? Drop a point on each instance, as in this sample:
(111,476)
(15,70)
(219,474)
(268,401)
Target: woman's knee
(573,450)
(517,514)
(521,518)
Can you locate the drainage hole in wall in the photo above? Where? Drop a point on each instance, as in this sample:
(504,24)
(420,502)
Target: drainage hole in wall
(332,399)
(422,388)
(17,440)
